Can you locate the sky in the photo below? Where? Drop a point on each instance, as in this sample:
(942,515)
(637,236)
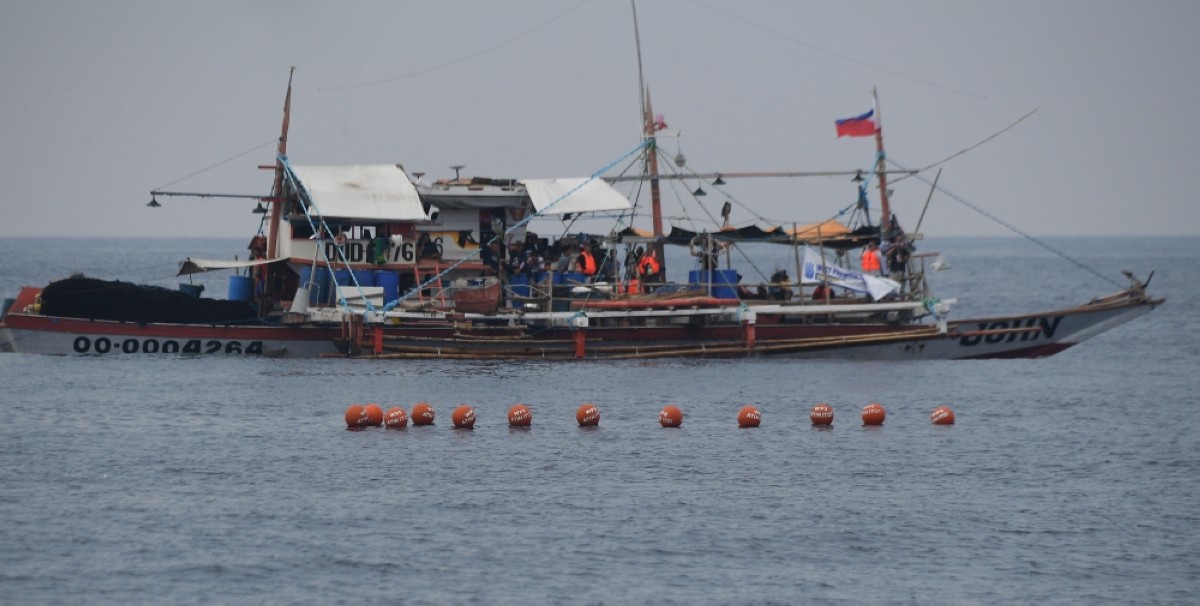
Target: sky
(103,102)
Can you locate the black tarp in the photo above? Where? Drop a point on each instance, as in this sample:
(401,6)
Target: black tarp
(682,237)
(89,298)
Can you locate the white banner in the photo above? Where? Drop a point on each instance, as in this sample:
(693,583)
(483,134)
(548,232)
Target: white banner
(817,270)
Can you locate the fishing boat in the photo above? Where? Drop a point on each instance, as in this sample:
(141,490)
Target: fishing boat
(374,261)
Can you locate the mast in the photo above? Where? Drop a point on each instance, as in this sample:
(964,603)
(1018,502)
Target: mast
(277,188)
(648,127)
(884,209)
(652,169)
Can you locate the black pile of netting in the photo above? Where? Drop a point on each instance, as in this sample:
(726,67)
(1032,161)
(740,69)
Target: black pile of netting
(82,297)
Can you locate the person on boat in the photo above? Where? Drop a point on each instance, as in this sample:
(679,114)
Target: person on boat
(566,256)
(534,263)
(633,286)
(258,247)
(427,249)
(632,258)
(518,263)
(707,250)
(490,256)
(870,259)
(650,269)
(587,261)
(897,258)
(534,252)
(607,262)
(822,292)
(781,286)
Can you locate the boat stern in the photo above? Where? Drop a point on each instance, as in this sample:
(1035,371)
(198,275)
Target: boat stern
(25,302)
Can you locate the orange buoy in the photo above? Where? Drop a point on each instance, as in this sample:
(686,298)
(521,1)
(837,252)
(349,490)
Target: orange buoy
(422,414)
(670,416)
(588,415)
(519,416)
(463,417)
(395,418)
(374,414)
(942,415)
(873,414)
(356,416)
(821,414)
(749,416)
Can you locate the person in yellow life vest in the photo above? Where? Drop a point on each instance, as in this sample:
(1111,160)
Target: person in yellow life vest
(649,266)
(870,259)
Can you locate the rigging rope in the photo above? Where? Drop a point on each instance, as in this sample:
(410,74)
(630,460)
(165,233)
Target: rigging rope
(838,55)
(253,149)
(1011,227)
(462,59)
(322,227)
(529,217)
(966,149)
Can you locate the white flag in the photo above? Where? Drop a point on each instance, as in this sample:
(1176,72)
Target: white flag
(817,270)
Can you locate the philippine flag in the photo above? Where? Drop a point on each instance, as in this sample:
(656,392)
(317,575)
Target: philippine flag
(858,126)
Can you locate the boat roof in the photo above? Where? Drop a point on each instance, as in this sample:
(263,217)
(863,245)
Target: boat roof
(379,192)
(385,193)
(574,195)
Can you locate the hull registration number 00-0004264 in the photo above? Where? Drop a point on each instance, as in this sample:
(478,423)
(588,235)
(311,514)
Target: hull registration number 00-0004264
(131,345)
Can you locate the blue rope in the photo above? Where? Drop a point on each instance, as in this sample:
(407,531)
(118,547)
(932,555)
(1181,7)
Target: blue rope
(307,200)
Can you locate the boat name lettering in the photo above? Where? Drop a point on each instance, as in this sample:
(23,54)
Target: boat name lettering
(103,345)
(1045,327)
(360,252)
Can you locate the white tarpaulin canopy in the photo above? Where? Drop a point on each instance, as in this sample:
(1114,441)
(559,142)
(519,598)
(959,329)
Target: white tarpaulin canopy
(597,195)
(368,192)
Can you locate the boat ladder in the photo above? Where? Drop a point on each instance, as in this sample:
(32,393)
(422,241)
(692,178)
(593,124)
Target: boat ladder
(437,292)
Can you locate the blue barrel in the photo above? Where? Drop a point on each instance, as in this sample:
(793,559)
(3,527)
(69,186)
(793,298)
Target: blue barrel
(724,282)
(365,277)
(520,285)
(341,277)
(240,288)
(325,279)
(319,291)
(390,281)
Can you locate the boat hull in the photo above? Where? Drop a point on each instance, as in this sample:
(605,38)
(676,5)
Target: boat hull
(28,333)
(1005,337)
(1019,336)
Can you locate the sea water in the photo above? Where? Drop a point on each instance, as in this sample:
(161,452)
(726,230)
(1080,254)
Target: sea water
(166,479)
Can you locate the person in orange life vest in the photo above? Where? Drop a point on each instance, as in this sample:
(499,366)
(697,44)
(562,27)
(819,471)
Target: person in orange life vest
(633,286)
(587,262)
(649,267)
(870,259)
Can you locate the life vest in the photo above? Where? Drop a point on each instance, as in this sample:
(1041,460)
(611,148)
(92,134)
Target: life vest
(589,264)
(633,287)
(870,260)
(649,264)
